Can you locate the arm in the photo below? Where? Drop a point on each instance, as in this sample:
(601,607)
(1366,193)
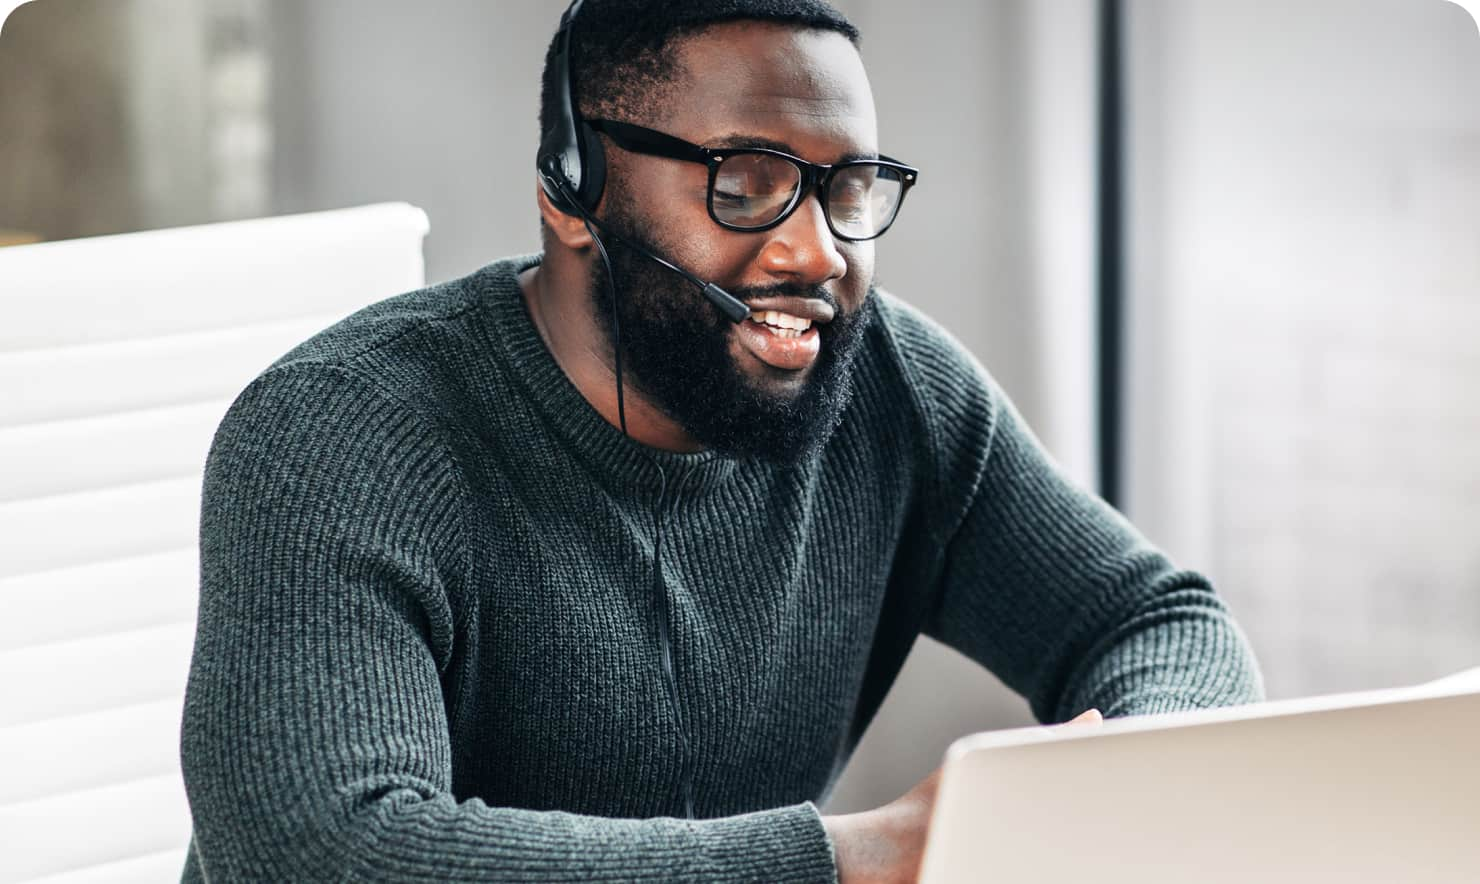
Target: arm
(315,739)
(1055,592)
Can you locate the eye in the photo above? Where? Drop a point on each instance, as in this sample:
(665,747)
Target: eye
(850,202)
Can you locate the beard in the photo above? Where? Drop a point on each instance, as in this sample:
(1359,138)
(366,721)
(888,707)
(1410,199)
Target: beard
(676,352)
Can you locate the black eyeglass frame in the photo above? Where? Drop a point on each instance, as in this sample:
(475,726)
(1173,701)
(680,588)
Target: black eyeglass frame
(815,176)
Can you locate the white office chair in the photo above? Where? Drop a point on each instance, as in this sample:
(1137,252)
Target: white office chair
(118,357)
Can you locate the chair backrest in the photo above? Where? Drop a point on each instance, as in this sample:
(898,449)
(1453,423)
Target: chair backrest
(118,357)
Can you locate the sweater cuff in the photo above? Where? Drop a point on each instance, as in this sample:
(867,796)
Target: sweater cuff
(784,844)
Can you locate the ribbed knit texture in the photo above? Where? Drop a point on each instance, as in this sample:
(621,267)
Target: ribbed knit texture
(427,643)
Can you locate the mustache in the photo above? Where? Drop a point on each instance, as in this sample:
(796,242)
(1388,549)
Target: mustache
(783,290)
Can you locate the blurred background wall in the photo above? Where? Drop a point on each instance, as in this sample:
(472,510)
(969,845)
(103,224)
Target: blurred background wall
(1303,275)
(1304,384)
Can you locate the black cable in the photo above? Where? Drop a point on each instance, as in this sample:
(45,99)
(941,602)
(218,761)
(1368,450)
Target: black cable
(660,596)
(560,145)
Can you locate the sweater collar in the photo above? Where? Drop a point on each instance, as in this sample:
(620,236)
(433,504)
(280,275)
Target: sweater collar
(625,463)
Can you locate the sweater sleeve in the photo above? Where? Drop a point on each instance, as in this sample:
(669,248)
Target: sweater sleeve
(315,740)
(1049,587)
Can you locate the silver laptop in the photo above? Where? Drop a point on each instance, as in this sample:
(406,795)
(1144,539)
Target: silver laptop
(1380,786)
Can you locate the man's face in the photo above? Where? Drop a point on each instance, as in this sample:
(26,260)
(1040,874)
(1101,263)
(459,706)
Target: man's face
(748,389)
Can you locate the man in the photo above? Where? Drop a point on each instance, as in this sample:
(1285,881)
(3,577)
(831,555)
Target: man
(487,594)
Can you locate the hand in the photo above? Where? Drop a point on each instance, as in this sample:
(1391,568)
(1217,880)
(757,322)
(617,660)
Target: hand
(886,844)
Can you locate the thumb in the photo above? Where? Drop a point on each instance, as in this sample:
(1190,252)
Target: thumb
(1089,716)
(922,796)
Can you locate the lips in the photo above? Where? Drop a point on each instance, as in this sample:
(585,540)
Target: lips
(782,330)
(772,348)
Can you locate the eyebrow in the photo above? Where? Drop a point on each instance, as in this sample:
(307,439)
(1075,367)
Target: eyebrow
(739,140)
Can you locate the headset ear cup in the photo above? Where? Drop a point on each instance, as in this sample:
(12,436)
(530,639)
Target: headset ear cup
(549,168)
(593,167)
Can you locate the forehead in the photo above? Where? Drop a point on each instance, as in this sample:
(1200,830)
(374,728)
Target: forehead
(800,87)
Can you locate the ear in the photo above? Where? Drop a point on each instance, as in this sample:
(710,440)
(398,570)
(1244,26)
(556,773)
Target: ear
(570,230)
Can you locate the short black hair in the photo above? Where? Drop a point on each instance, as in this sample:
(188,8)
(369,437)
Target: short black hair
(624,50)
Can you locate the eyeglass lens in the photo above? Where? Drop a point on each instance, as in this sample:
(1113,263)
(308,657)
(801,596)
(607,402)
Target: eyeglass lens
(752,190)
(862,200)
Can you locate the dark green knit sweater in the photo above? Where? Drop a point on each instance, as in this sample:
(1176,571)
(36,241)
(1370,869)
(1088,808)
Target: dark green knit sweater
(427,642)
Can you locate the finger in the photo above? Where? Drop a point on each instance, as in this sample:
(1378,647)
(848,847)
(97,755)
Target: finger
(1088,716)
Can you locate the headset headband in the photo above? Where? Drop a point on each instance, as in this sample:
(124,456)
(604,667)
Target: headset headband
(569,150)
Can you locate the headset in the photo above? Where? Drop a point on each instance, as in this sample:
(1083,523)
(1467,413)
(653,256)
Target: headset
(572,170)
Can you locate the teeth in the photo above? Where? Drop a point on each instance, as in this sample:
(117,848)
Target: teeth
(777,319)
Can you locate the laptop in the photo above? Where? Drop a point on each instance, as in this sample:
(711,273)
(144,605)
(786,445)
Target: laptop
(1378,786)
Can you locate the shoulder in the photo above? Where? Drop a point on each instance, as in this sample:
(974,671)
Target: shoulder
(315,450)
(920,380)
(349,381)
(427,350)
(931,354)
(380,335)
(956,396)
(378,393)
(302,419)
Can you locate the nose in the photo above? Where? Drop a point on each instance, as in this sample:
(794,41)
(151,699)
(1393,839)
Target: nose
(802,249)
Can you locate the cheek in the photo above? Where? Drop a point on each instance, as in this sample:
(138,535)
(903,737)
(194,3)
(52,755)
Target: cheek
(860,258)
(727,258)
(710,252)
(674,196)
(665,201)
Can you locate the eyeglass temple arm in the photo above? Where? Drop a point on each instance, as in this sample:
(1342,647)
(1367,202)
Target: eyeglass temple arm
(641,139)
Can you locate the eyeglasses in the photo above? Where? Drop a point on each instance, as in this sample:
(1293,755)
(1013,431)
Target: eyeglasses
(753,189)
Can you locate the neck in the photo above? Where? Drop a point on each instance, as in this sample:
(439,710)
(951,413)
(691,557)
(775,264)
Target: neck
(555,292)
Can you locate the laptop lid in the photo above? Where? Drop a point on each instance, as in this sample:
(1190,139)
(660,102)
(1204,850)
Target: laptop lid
(1379,786)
